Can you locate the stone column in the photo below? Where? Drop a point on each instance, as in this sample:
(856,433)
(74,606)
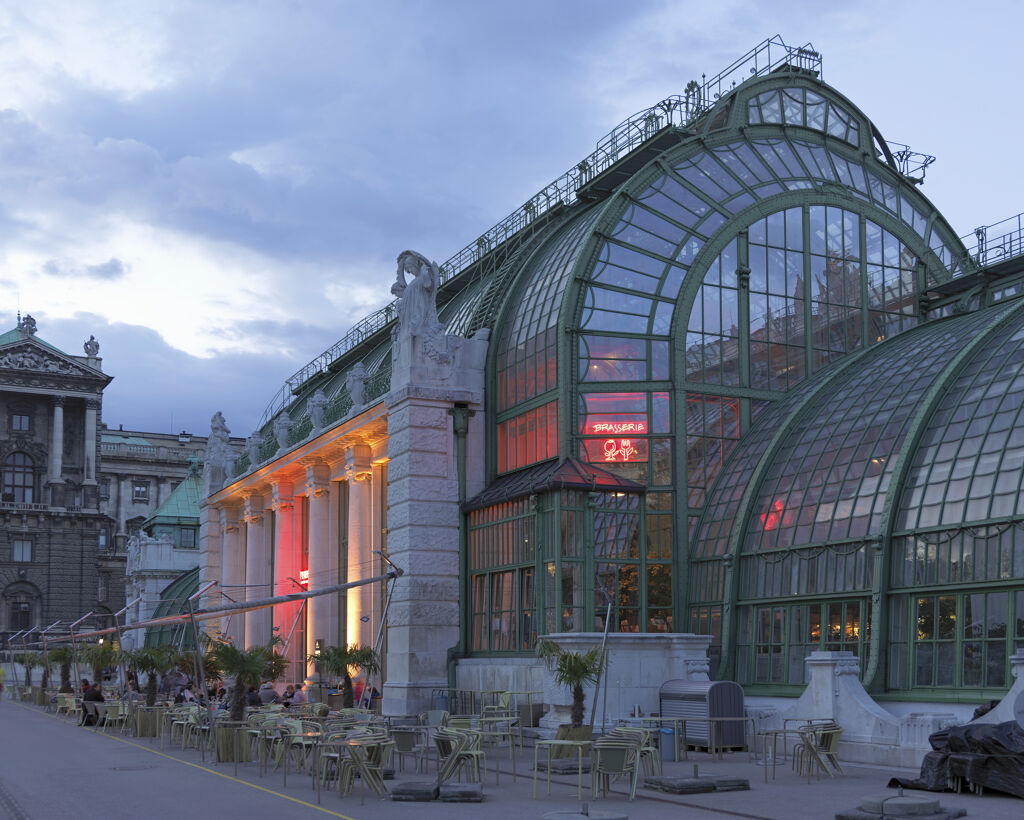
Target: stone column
(359,601)
(286,572)
(57,442)
(122,504)
(259,623)
(423,539)
(317,491)
(91,408)
(233,571)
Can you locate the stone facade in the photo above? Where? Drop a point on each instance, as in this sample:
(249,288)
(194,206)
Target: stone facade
(55,556)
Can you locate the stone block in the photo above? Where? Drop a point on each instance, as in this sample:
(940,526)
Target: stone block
(680,785)
(414,791)
(461,793)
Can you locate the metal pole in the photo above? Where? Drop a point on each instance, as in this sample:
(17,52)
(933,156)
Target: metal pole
(74,648)
(24,647)
(46,652)
(10,658)
(199,666)
(120,648)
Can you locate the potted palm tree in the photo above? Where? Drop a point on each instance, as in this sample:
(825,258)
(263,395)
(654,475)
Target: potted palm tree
(573,670)
(248,667)
(62,657)
(100,656)
(342,661)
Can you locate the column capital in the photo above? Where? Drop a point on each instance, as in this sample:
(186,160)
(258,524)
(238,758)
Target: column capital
(281,497)
(92,404)
(318,474)
(58,401)
(252,510)
(358,462)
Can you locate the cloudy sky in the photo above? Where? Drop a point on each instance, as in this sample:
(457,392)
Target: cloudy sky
(217,190)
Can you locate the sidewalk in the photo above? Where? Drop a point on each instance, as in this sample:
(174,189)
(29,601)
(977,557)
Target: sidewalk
(51,769)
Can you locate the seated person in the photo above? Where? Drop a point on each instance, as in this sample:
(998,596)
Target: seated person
(188,694)
(268,694)
(289,693)
(252,697)
(94,695)
(299,695)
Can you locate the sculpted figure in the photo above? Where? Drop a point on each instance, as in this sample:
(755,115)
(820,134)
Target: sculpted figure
(218,452)
(91,347)
(355,383)
(317,403)
(282,427)
(28,325)
(252,447)
(417,298)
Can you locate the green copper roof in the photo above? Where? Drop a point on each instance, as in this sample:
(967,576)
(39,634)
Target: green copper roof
(14,335)
(182,505)
(121,438)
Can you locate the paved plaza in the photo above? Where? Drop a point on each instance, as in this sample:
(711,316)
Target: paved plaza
(52,769)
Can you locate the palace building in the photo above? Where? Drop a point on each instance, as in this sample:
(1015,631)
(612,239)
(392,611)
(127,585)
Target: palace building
(731,375)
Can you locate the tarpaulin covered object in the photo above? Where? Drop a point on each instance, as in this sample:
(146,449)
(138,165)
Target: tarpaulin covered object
(990,755)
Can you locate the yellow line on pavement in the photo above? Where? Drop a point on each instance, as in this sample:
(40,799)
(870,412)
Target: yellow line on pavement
(206,769)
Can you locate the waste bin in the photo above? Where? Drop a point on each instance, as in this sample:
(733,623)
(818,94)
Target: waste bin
(694,700)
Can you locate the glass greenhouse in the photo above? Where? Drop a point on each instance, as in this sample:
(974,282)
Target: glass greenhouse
(744,380)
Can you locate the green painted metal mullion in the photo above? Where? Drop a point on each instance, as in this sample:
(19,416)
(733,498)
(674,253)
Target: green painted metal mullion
(874,675)
(753,488)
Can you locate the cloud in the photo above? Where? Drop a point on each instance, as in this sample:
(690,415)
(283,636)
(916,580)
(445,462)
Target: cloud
(157,388)
(113,268)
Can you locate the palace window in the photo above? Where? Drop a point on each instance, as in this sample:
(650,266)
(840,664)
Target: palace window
(140,491)
(21,551)
(20,422)
(19,479)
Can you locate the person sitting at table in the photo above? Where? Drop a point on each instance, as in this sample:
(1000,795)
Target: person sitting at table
(188,694)
(299,694)
(268,694)
(252,697)
(94,695)
(85,686)
(289,693)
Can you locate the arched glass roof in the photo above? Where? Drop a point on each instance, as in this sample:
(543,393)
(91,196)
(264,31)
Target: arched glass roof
(526,344)
(969,465)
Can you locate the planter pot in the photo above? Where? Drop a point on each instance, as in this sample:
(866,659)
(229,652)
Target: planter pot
(147,723)
(568,732)
(225,743)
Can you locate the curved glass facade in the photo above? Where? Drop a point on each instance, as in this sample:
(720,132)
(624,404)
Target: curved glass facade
(762,322)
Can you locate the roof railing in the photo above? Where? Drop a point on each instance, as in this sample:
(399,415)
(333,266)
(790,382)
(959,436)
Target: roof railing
(678,110)
(998,242)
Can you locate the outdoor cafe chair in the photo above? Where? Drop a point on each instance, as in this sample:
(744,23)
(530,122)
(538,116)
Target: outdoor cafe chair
(368,754)
(649,757)
(116,715)
(458,750)
(410,740)
(611,759)
(819,751)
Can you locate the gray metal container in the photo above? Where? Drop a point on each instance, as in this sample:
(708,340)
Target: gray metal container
(693,700)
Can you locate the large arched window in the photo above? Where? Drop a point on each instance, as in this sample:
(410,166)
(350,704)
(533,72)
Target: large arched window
(19,479)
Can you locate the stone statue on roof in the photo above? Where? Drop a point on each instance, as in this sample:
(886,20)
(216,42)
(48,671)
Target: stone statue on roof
(355,383)
(317,403)
(28,325)
(91,347)
(218,454)
(417,298)
(282,428)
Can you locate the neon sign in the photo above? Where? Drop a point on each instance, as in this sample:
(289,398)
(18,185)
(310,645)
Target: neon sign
(615,449)
(615,428)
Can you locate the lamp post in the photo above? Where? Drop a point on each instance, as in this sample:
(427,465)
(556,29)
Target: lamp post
(74,646)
